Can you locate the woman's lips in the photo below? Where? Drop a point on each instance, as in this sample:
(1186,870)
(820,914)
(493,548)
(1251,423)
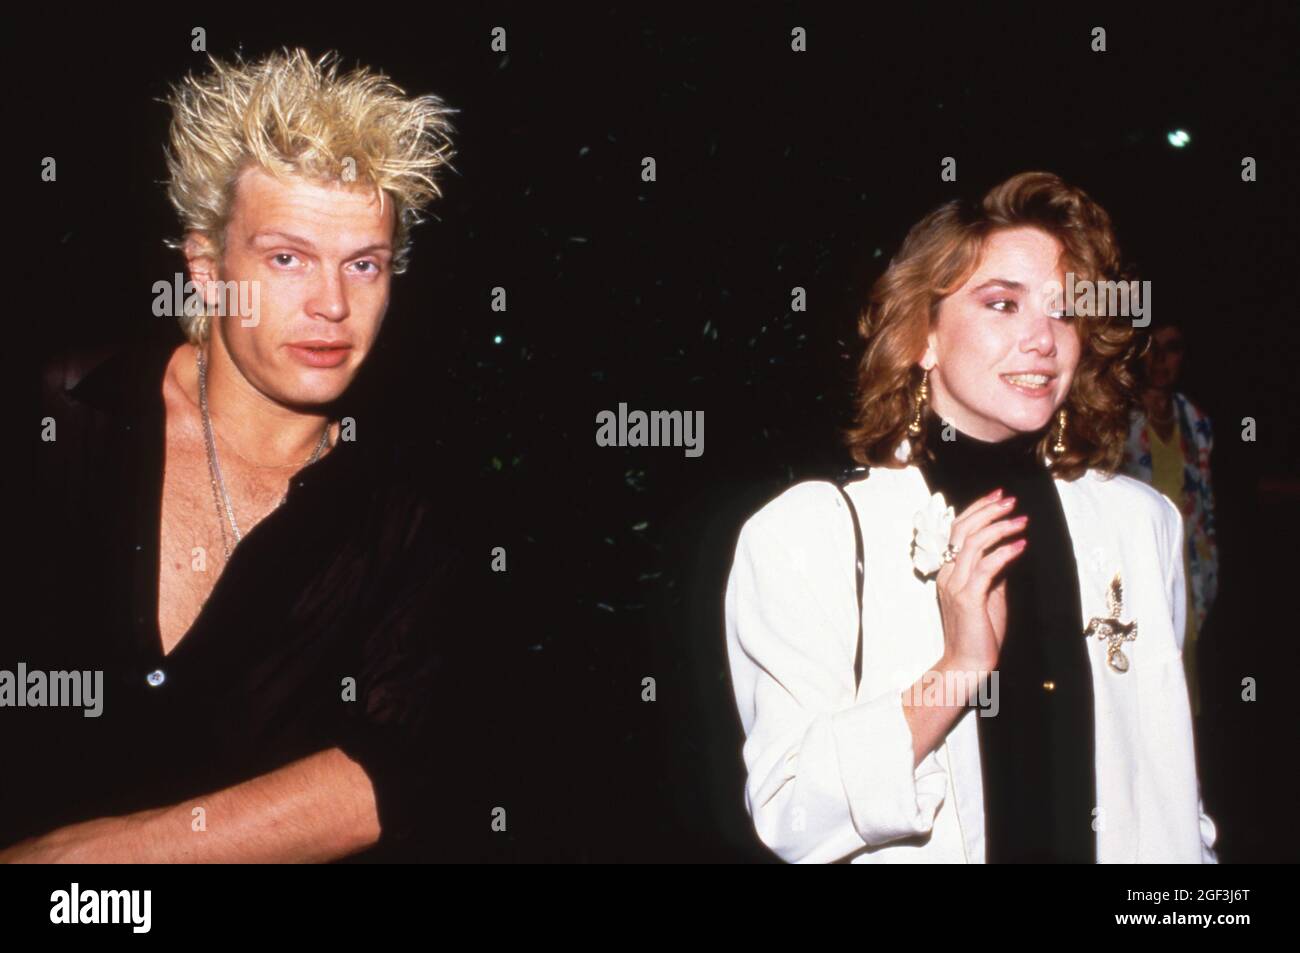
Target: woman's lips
(321,356)
(1042,390)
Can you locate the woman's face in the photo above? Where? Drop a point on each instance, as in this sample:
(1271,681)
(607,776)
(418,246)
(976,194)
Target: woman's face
(1001,325)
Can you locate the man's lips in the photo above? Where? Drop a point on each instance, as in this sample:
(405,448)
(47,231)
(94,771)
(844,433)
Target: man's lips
(316,343)
(320,353)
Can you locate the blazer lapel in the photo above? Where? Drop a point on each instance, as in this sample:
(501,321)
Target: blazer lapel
(897,601)
(1099,556)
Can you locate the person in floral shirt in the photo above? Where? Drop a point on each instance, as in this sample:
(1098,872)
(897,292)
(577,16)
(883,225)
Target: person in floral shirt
(1169,445)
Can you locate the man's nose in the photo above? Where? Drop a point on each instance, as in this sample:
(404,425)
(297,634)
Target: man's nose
(329,298)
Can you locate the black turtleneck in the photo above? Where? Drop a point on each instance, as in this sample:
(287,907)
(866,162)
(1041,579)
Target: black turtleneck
(1037,752)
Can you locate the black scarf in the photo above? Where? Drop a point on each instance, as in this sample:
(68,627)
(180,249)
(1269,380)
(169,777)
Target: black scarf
(1038,751)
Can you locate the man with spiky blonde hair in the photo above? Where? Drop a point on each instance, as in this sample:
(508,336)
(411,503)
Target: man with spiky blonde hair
(267,595)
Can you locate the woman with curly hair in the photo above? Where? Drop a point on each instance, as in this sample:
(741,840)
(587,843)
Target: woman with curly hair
(1006,684)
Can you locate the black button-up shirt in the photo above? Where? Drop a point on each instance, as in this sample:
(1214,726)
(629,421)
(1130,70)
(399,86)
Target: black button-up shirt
(350,579)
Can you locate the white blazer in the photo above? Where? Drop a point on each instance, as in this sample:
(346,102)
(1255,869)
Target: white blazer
(830,775)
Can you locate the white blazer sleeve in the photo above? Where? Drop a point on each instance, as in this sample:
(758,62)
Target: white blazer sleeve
(1177,577)
(825,777)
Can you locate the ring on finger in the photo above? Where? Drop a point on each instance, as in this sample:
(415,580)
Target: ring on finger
(950,553)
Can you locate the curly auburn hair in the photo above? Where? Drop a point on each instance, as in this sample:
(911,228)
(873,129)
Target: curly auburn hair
(291,115)
(938,256)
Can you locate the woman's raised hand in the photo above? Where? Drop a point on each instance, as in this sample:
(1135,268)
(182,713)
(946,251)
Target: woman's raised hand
(974,611)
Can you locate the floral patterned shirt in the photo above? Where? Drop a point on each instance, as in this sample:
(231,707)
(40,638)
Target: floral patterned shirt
(1197,502)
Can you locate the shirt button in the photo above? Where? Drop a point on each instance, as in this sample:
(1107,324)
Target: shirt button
(1049,686)
(155,678)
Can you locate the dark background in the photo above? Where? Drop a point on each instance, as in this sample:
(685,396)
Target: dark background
(775,169)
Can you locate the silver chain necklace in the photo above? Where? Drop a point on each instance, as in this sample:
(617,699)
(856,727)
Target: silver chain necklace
(219,495)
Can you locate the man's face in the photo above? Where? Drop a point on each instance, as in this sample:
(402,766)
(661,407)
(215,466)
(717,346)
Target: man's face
(1165,359)
(1000,325)
(321,255)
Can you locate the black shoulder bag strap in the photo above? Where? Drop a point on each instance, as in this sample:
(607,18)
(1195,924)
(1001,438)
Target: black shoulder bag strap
(847,476)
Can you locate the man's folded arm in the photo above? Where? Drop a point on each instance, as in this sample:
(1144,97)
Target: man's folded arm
(316,809)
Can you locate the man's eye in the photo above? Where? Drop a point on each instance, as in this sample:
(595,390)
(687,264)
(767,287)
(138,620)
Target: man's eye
(370,268)
(283,255)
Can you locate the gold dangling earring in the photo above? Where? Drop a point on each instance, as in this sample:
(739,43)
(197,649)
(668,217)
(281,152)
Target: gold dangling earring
(922,394)
(1058,448)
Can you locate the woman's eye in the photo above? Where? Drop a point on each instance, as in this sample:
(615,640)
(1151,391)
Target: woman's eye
(1011,305)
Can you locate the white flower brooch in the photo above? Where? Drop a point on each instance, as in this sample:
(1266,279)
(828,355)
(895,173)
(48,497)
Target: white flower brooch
(932,529)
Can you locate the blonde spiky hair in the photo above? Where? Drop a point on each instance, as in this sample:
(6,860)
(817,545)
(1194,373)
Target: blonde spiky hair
(290,115)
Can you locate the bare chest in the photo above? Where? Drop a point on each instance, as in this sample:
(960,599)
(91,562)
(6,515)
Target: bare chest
(192,552)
